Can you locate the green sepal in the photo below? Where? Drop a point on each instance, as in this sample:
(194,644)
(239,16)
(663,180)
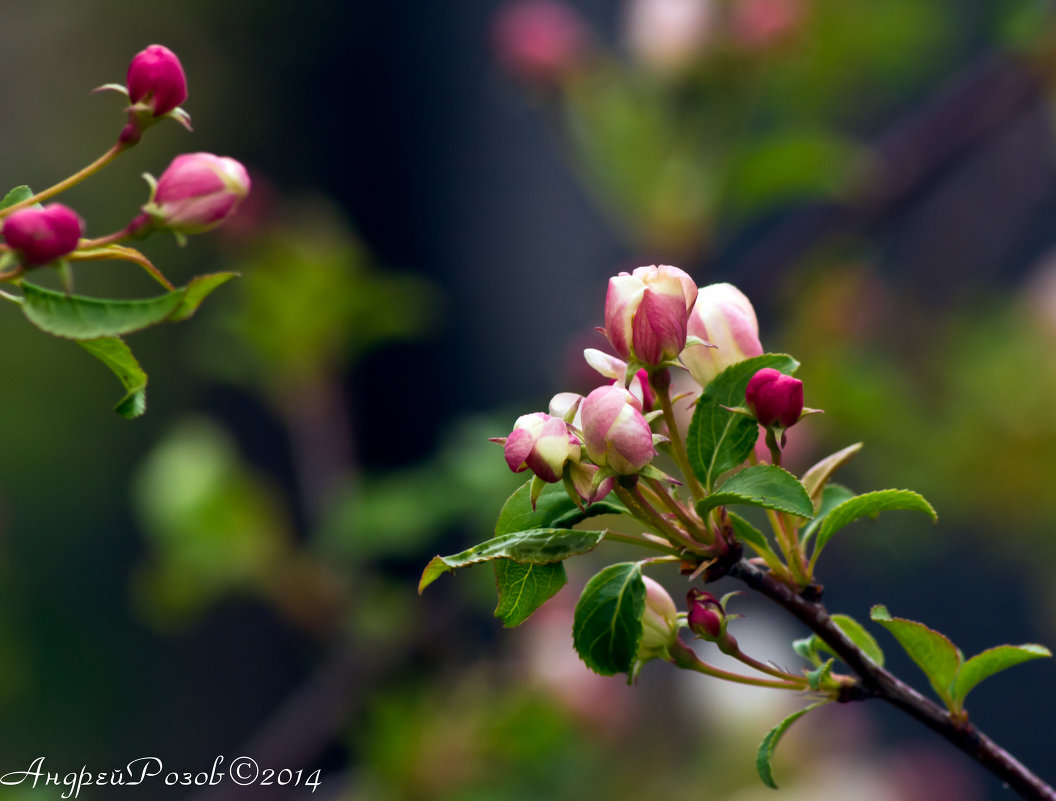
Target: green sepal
(761,485)
(770,741)
(607,625)
(719,440)
(931,651)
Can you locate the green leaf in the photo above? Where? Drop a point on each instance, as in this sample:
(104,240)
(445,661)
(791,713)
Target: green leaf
(719,440)
(116,355)
(870,504)
(749,534)
(538,546)
(761,485)
(524,587)
(17,195)
(80,317)
(607,625)
(817,477)
(831,497)
(553,509)
(858,634)
(932,652)
(991,661)
(769,743)
(818,675)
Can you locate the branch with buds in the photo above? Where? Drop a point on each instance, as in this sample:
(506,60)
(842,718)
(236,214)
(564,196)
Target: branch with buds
(691,383)
(196,193)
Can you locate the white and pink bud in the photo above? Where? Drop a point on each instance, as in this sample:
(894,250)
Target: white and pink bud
(197,192)
(724,318)
(616,369)
(542,444)
(659,622)
(668,36)
(647,312)
(615,433)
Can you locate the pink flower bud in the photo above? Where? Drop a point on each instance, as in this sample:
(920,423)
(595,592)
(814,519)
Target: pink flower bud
(156,80)
(197,192)
(760,24)
(659,622)
(43,235)
(616,369)
(706,615)
(723,317)
(615,432)
(774,398)
(539,40)
(543,444)
(669,35)
(646,313)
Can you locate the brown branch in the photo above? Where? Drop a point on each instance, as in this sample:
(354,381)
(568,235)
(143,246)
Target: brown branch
(879,683)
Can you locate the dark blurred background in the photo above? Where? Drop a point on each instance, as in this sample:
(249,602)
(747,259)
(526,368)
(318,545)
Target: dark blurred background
(440,194)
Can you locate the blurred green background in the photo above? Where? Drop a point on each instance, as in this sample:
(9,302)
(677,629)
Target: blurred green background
(424,254)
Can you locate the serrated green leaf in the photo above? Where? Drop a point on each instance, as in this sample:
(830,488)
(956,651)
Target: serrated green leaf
(761,485)
(868,505)
(19,194)
(816,478)
(858,634)
(116,355)
(524,587)
(719,440)
(553,509)
(80,317)
(831,497)
(607,625)
(766,748)
(538,546)
(932,652)
(991,661)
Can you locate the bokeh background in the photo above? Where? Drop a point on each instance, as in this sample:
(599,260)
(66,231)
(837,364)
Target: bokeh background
(441,192)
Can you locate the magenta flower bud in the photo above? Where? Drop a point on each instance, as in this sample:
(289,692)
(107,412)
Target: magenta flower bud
(197,192)
(774,398)
(615,432)
(659,622)
(543,444)
(723,317)
(538,41)
(706,615)
(43,235)
(647,312)
(156,80)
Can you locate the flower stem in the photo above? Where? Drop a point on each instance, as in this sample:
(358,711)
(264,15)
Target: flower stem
(662,386)
(684,657)
(66,183)
(641,508)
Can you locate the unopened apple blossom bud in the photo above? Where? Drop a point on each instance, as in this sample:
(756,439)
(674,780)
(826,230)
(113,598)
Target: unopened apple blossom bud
(647,312)
(42,235)
(761,24)
(539,41)
(615,432)
(774,398)
(197,192)
(156,80)
(724,318)
(541,443)
(669,35)
(705,616)
(659,622)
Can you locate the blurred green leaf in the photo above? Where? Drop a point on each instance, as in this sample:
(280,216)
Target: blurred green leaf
(524,587)
(765,753)
(816,478)
(719,440)
(868,505)
(831,497)
(16,195)
(762,485)
(116,355)
(607,625)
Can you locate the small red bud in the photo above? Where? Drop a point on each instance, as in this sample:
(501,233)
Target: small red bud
(774,398)
(155,78)
(705,615)
(43,235)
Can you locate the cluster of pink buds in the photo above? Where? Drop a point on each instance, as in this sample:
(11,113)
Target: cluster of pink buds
(197,192)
